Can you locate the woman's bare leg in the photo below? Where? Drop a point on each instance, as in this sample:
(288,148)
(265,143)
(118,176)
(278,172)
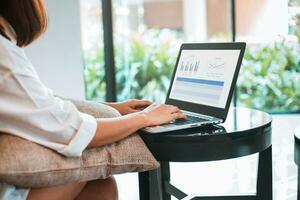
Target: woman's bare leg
(96,190)
(64,192)
(99,190)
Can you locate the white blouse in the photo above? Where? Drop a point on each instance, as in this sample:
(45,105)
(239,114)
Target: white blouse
(28,109)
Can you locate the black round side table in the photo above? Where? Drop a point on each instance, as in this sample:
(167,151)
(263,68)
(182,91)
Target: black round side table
(297,156)
(245,132)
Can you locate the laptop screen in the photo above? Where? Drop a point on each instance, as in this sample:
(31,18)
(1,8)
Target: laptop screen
(205,76)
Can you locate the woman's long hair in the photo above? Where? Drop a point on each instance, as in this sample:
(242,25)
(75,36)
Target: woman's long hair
(28,18)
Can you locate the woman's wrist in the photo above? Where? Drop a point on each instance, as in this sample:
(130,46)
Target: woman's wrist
(142,119)
(113,105)
(109,104)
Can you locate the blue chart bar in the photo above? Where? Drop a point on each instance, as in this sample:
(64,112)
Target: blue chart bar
(197,94)
(198,90)
(201,81)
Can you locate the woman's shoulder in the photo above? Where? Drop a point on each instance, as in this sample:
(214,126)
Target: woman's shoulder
(11,56)
(7,44)
(4,45)
(7,49)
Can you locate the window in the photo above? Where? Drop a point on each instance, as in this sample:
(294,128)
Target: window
(269,79)
(147,37)
(148,34)
(92,42)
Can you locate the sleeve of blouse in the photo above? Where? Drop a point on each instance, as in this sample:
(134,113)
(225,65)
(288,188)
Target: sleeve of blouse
(84,135)
(31,111)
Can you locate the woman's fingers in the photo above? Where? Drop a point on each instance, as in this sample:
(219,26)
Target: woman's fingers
(175,109)
(141,103)
(175,112)
(167,108)
(172,109)
(178,115)
(161,114)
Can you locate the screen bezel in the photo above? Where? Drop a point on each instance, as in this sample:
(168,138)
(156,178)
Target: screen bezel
(220,113)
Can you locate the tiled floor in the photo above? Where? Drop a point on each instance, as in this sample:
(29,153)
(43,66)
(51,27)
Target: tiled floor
(233,176)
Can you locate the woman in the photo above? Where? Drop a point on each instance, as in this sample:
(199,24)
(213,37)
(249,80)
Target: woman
(30,110)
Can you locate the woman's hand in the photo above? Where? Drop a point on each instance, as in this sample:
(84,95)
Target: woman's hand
(110,130)
(157,114)
(130,106)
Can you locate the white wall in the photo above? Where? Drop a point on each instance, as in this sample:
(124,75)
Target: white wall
(195,11)
(57,56)
(270,21)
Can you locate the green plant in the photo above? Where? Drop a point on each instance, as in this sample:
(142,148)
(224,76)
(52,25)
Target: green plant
(294,3)
(270,78)
(94,75)
(144,64)
(297,26)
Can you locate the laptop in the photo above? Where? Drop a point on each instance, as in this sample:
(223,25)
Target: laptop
(202,84)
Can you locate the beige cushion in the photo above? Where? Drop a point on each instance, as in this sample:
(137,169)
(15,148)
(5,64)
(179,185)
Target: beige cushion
(26,164)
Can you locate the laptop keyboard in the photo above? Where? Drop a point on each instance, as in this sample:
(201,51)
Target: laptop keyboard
(188,120)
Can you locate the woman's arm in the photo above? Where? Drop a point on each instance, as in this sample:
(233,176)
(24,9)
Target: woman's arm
(110,130)
(124,108)
(129,106)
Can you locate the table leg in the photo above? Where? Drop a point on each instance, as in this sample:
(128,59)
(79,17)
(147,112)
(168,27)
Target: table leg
(150,185)
(298,191)
(165,177)
(144,186)
(264,186)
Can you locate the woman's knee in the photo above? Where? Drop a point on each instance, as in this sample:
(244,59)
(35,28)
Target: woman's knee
(112,185)
(102,189)
(63,192)
(108,187)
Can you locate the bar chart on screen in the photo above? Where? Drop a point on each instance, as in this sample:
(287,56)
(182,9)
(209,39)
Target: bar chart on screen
(199,81)
(194,66)
(204,77)
(189,66)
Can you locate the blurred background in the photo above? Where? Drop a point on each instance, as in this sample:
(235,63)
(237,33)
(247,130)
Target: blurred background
(146,36)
